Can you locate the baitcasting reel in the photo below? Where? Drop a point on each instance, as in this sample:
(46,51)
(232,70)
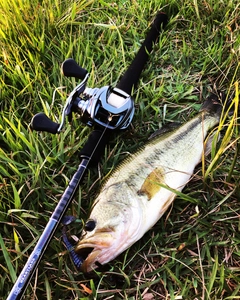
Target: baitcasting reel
(108,107)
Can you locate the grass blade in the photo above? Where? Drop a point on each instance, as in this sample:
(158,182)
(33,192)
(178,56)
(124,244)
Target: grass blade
(8,262)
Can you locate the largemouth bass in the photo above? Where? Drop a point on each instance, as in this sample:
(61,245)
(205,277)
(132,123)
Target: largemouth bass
(142,188)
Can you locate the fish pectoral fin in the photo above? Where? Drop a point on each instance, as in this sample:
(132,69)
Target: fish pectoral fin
(151,184)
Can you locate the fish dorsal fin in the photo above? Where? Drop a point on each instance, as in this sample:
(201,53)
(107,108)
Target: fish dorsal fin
(151,184)
(167,128)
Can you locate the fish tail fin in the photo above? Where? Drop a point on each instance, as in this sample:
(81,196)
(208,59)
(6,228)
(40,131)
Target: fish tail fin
(215,103)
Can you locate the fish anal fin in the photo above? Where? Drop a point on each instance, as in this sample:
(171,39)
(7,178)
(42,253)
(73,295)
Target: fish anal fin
(151,184)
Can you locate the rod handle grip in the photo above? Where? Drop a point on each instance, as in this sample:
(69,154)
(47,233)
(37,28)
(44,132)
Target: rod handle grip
(131,76)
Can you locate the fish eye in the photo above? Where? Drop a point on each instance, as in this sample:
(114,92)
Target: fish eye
(90,225)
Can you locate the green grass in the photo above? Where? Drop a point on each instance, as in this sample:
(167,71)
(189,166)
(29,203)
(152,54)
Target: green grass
(193,251)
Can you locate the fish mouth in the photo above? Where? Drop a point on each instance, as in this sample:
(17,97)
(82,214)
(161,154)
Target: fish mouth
(89,254)
(94,253)
(85,252)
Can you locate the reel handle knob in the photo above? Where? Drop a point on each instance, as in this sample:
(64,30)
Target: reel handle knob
(40,122)
(71,69)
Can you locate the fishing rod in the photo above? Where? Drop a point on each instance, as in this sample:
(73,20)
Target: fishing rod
(106,109)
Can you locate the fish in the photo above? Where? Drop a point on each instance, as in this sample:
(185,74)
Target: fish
(143,186)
